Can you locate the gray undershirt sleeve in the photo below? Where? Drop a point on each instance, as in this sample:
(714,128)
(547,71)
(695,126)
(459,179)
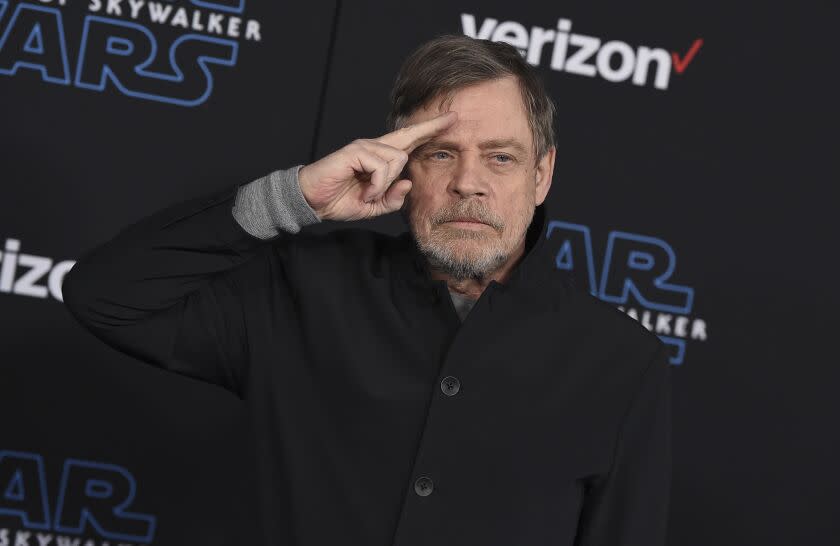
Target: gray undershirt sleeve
(273,203)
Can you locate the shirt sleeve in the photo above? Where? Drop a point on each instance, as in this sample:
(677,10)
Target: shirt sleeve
(272,204)
(629,506)
(164,289)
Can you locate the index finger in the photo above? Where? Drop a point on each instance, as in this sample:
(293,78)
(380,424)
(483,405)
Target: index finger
(412,136)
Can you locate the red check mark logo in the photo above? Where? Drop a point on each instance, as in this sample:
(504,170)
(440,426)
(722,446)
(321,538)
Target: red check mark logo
(681,64)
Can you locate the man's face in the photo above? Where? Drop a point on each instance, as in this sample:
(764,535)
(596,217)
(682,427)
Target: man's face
(481,169)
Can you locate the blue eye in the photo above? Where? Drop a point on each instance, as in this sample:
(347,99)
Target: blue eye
(507,157)
(436,155)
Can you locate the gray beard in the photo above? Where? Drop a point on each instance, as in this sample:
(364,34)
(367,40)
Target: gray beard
(460,268)
(441,258)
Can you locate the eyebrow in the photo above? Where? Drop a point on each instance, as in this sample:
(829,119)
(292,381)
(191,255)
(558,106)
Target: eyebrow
(487,144)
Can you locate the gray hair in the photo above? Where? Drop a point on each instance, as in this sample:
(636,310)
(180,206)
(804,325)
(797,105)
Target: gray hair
(449,62)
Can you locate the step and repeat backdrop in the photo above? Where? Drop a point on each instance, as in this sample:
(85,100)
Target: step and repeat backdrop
(697,153)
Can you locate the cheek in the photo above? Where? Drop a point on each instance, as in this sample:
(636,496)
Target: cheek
(427,175)
(516,206)
(425,192)
(420,210)
(423,214)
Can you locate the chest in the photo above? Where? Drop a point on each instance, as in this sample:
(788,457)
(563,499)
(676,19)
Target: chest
(531,388)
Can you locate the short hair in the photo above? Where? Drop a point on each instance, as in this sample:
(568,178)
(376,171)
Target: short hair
(450,62)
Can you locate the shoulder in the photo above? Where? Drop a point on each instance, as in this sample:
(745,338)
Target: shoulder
(347,248)
(611,327)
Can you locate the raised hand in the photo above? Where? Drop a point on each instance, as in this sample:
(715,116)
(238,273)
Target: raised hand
(357,181)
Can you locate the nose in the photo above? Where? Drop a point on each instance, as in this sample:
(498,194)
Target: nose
(468,177)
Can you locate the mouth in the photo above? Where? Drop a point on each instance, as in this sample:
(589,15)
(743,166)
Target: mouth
(467,222)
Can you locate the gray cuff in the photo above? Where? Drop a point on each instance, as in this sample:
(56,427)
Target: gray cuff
(271,203)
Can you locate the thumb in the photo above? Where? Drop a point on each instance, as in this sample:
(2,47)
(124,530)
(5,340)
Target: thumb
(395,196)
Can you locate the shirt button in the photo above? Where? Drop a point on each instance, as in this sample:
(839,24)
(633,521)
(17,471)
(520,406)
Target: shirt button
(450,385)
(423,486)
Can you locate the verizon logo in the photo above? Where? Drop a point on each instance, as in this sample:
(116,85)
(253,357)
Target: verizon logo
(612,60)
(30,275)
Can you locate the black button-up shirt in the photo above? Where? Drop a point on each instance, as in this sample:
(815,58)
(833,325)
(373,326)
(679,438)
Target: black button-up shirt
(381,418)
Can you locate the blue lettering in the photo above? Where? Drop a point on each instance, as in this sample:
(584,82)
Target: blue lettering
(641,266)
(34,38)
(232,6)
(121,52)
(98,494)
(23,489)
(575,248)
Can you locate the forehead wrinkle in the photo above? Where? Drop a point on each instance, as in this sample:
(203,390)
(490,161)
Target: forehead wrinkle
(473,127)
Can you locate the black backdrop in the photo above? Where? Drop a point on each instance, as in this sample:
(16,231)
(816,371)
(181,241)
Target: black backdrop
(699,204)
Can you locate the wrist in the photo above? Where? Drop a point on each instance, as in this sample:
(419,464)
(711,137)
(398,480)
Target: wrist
(303,184)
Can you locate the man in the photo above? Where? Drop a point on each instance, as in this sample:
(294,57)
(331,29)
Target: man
(447,386)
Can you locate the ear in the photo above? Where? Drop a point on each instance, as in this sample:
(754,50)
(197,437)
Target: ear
(543,174)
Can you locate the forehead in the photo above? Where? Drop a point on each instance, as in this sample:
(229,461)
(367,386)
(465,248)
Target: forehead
(487,110)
